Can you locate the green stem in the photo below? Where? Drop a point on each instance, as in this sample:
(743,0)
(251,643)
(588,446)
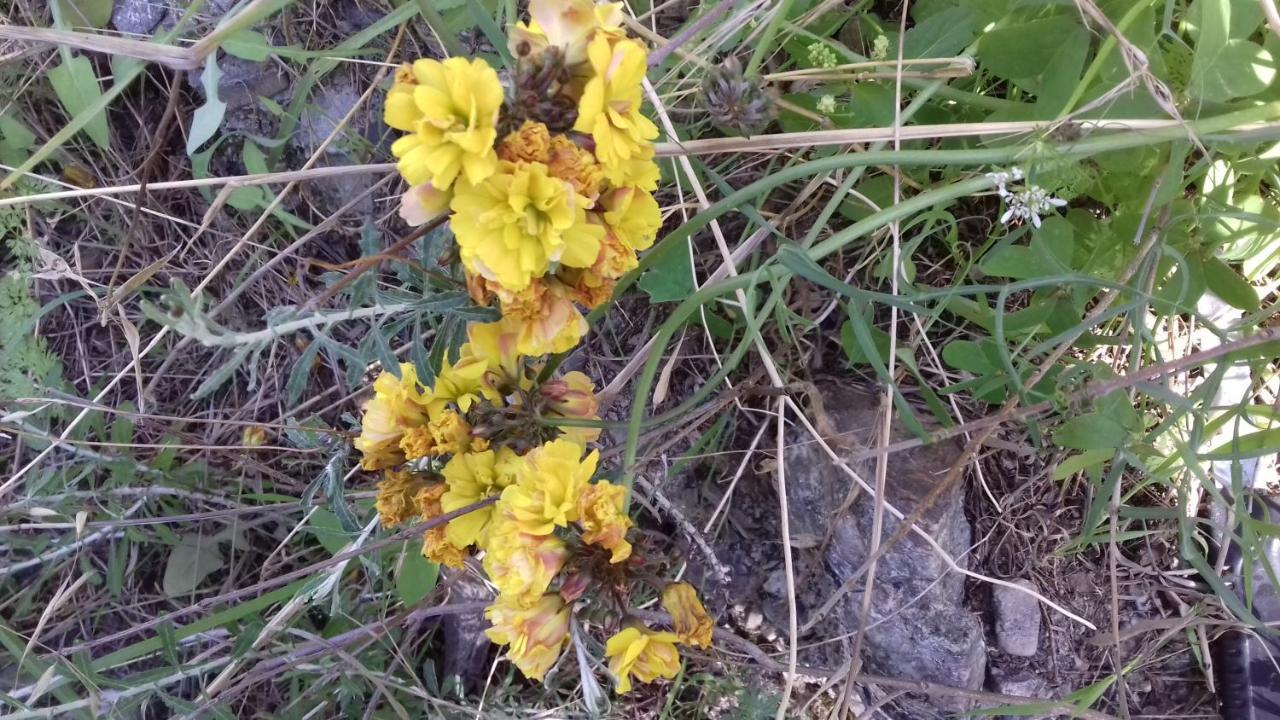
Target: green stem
(765,43)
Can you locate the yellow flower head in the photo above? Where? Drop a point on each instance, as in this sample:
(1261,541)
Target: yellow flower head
(589,288)
(575,166)
(542,317)
(602,520)
(495,345)
(450,113)
(397,493)
(521,565)
(564,24)
(546,495)
(512,226)
(639,171)
(530,143)
(417,443)
(450,434)
(616,258)
(609,109)
(642,653)
(693,625)
(460,382)
(633,215)
(535,635)
(397,405)
(471,478)
(435,542)
(573,395)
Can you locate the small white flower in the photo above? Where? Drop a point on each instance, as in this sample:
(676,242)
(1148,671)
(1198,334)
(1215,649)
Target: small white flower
(827,104)
(1029,204)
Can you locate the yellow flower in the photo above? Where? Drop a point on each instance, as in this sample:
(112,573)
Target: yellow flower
(450,113)
(542,317)
(575,166)
(639,171)
(435,542)
(643,653)
(417,443)
(546,495)
(693,625)
(609,109)
(471,478)
(616,258)
(634,215)
(573,395)
(396,500)
(397,404)
(495,345)
(450,433)
(588,288)
(530,143)
(521,565)
(536,635)
(460,382)
(564,24)
(512,226)
(423,203)
(602,520)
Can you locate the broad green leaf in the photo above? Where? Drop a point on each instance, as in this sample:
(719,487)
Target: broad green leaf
(85,13)
(328,530)
(1043,56)
(941,35)
(1241,68)
(670,277)
(1091,431)
(190,562)
(853,349)
(967,355)
(1228,285)
(14,134)
(77,89)
(207,118)
(416,577)
(1082,461)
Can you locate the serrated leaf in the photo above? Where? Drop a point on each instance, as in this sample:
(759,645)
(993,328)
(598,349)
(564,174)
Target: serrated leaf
(77,89)
(670,276)
(207,118)
(1228,285)
(416,577)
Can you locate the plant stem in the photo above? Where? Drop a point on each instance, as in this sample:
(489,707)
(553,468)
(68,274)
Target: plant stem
(452,45)
(765,42)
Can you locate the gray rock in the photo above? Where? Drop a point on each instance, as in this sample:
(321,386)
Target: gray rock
(1017,620)
(1022,684)
(242,82)
(466,647)
(139,17)
(918,627)
(355,143)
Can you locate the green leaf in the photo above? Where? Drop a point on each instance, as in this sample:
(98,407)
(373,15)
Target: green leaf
(77,89)
(1228,285)
(1083,461)
(1044,56)
(1091,431)
(328,530)
(670,277)
(223,373)
(968,355)
(416,577)
(248,45)
(207,118)
(15,135)
(853,349)
(85,13)
(190,562)
(1255,444)
(1241,68)
(941,35)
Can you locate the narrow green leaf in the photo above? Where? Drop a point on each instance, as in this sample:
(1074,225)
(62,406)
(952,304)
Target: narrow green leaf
(248,45)
(224,372)
(1228,285)
(1084,460)
(1254,444)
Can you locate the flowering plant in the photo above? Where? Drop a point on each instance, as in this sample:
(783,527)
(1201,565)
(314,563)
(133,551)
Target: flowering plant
(547,186)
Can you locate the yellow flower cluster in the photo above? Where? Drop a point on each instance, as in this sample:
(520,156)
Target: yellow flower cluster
(546,222)
(547,185)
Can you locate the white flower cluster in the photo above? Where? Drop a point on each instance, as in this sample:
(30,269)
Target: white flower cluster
(1026,204)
